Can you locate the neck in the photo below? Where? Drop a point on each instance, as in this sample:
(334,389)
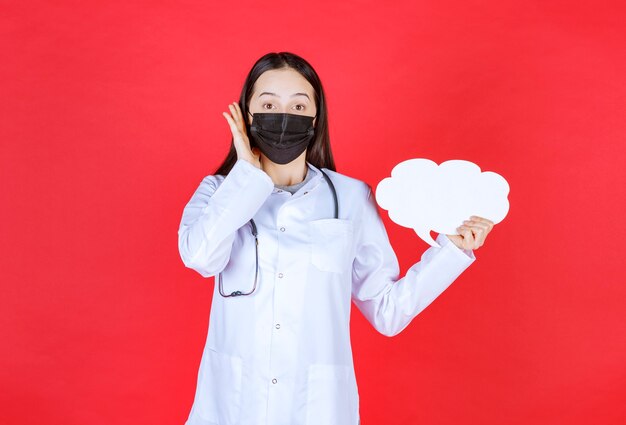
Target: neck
(285,174)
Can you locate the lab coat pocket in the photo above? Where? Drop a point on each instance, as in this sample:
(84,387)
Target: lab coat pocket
(218,397)
(331,396)
(331,243)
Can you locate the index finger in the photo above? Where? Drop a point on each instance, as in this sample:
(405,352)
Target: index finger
(238,109)
(482,220)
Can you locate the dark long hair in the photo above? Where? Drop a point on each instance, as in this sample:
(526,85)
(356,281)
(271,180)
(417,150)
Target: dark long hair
(318,152)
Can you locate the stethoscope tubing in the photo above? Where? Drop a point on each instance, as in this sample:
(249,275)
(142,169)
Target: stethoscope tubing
(256,244)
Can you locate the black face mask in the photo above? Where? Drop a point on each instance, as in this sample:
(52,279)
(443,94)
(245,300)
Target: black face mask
(281,137)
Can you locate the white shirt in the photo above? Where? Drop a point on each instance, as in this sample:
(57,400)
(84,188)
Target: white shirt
(282,355)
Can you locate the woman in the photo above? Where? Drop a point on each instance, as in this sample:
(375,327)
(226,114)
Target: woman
(289,261)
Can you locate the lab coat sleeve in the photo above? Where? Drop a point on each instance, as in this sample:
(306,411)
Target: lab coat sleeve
(387,301)
(215,212)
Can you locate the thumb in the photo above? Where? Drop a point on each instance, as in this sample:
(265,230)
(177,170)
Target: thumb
(456,239)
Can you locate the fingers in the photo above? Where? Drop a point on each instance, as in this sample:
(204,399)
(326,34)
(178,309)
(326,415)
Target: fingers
(235,120)
(482,220)
(479,231)
(478,228)
(231,123)
(468,237)
(240,139)
(238,115)
(234,115)
(235,107)
(234,110)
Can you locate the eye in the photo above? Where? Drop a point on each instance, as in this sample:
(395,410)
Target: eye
(300,107)
(265,104)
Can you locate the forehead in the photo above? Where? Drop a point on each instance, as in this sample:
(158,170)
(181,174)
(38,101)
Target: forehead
(283,82)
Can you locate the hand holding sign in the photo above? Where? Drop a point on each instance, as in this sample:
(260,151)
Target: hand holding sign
(425,196)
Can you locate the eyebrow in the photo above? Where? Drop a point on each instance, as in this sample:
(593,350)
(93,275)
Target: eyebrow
(293,95)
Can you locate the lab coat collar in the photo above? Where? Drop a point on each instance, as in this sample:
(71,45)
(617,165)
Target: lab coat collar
(311,184)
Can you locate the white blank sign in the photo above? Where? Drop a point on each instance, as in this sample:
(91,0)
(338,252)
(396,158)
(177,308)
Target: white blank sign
(425,196)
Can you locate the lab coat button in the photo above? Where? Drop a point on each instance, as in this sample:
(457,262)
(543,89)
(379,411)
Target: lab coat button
(274,381)
(277,325)
(280,275)
(282,229)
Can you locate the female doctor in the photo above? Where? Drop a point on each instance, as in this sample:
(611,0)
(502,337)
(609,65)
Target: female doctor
(291,243)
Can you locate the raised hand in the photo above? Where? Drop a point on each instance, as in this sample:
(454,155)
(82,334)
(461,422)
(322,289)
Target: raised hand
(240,138)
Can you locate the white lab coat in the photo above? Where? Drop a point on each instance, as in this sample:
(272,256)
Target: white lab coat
(282,356)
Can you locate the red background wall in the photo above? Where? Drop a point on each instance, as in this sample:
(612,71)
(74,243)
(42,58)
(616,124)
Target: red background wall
(111,116)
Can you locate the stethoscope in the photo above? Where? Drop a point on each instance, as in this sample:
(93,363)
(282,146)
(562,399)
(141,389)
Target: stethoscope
(256,244)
